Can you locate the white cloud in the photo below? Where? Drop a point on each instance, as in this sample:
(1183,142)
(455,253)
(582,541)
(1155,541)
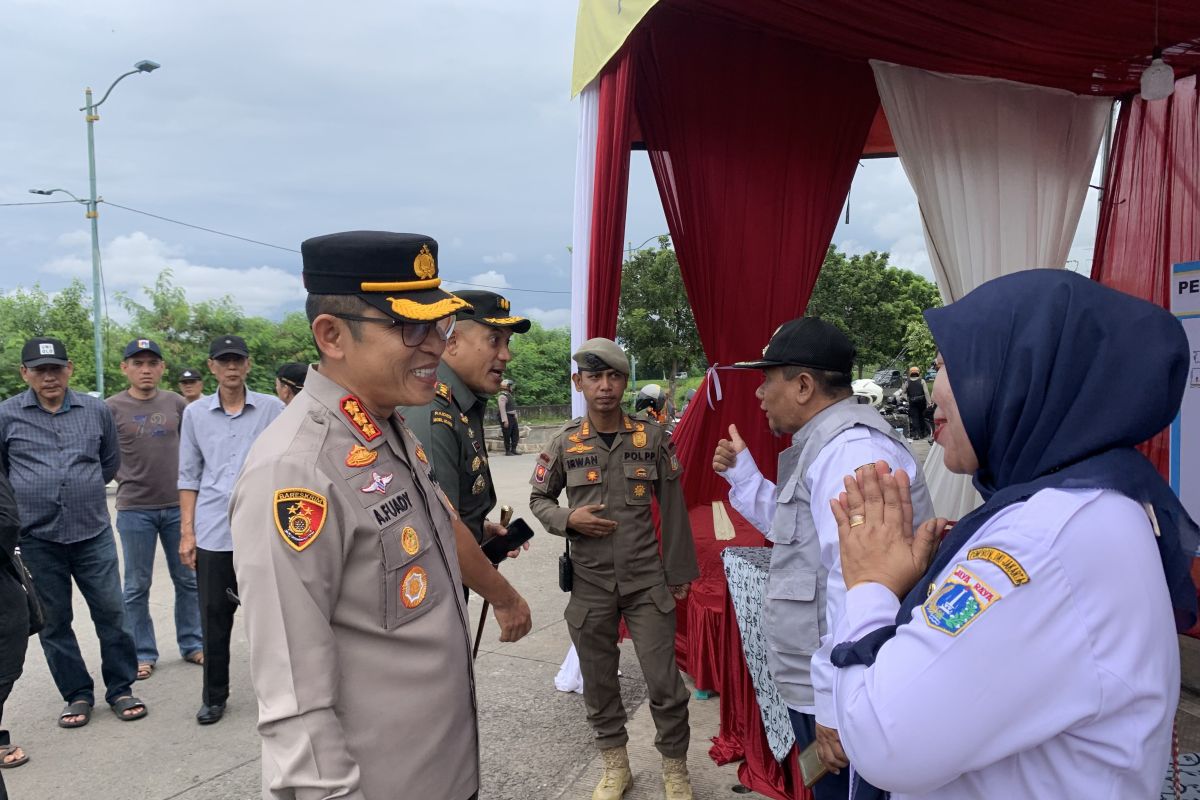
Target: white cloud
(550,318)
(79,238)
(491,279)
(134,261)
(501,258)
(548,258)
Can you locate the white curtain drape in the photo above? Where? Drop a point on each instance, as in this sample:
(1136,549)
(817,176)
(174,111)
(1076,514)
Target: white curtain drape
(581,233)
(1001,172)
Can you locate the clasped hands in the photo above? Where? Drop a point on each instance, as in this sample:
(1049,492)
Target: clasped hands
(875,530)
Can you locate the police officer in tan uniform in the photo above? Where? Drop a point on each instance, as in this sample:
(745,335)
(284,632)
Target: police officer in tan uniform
(350,557)
(612,466)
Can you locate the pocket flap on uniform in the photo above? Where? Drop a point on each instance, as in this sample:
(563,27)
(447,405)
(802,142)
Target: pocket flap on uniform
(584,477)
(641,472)
(401,544)
(792,584)
(575,614)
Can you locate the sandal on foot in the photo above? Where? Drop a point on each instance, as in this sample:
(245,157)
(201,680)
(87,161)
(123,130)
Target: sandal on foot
(145,670)
(8,750)
(79,708)
(195,658)
(133,704)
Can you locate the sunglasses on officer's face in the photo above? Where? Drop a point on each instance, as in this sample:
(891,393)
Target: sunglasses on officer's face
(413,333)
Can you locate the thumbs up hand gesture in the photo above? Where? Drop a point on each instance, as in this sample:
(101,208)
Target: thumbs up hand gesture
(727,450)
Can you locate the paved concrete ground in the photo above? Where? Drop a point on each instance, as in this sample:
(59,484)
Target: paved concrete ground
(535,740)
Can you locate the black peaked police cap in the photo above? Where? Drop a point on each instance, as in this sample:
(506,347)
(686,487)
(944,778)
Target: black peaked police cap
(491,309)
(806,342)
(394,272)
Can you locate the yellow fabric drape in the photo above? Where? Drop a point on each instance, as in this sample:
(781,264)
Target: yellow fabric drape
(600,30)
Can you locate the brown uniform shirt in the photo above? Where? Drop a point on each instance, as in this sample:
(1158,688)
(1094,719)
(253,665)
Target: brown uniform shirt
(640,465)
(359,645)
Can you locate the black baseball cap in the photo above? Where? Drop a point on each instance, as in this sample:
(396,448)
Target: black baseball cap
(228,345)
(43,350)
(142,346)
(292,374)
(190,375)
(490,308)
(394,272)
(806,342)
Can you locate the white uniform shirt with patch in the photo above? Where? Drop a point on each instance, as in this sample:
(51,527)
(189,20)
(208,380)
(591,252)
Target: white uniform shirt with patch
(1062,686)
(753,496)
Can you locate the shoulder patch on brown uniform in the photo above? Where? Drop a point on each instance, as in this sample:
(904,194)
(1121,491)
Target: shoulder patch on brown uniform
(299,516)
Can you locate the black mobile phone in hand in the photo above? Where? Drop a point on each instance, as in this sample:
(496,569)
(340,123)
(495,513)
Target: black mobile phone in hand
(497,548)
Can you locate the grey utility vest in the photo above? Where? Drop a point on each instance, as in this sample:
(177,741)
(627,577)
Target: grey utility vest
(794,608)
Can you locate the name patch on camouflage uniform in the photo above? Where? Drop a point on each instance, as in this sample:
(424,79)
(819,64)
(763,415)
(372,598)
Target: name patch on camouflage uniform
(360,456)
(352,407)
(442,418)
(299,516)
(414,587)
(1009,565)
(961,600)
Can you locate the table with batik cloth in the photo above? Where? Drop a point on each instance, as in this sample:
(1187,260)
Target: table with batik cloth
(754,718)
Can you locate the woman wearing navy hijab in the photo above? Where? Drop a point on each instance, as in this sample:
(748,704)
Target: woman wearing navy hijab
(1033,654)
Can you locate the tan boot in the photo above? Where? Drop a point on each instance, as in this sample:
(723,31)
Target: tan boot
(617,777)
(675,779)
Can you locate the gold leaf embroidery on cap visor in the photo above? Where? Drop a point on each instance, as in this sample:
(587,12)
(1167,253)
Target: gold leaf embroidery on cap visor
(410,309)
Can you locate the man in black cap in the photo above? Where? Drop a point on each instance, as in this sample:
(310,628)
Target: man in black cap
(289,381)
(59,449)
(191,385)
(451,426)
(806,395)
(216,436)
(148,420)
(352,558)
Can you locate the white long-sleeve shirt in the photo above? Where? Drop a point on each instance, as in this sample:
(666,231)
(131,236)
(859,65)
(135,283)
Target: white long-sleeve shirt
(1045,664)
(753,496)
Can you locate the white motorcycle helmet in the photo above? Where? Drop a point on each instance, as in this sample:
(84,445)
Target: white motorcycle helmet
(650,395)
(868,391)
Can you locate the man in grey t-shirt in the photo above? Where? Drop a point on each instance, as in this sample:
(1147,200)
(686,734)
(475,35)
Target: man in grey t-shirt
(148,421)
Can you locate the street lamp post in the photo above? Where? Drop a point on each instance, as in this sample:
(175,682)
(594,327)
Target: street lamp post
(90,116)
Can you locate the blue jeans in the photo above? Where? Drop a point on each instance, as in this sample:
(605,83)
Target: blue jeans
(93,565)
(140,532)
(831,787)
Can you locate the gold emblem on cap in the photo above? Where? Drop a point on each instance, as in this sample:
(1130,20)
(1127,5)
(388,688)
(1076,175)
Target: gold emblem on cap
(424,264)
(504,304)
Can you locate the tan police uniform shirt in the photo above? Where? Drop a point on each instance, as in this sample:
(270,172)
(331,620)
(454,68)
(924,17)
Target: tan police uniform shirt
(640,465)
(359,646)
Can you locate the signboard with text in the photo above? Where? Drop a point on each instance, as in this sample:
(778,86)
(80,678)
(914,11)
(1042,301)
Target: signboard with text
(1185,432)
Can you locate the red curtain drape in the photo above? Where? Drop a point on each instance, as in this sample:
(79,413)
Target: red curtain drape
(1150,215)
(753,143)
(611,192)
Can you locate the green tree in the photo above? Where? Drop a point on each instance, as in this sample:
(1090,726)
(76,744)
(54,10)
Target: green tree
(878,306)
(541,366)
(654,318)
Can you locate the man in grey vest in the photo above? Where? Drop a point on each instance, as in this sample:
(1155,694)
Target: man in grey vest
(806,395)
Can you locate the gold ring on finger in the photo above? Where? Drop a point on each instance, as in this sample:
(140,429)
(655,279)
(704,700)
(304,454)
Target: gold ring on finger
(856,520)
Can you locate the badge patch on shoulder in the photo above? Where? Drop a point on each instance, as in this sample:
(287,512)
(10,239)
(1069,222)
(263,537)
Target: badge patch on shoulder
(299,516)
(960,600)
(1009,565)
(539,473)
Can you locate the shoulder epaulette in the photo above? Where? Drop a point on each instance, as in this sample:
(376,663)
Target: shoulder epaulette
(443,393)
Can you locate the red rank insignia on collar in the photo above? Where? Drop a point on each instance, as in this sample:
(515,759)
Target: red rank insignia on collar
(353,409)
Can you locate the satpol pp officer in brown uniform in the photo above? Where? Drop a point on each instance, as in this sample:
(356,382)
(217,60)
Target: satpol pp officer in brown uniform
(350,557)
(611,467)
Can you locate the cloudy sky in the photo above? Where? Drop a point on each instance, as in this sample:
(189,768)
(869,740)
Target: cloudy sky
(278,121)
